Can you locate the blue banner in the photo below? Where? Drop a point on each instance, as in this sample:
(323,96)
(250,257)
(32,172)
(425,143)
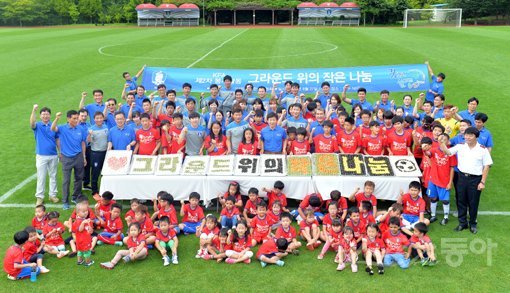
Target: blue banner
(394,78)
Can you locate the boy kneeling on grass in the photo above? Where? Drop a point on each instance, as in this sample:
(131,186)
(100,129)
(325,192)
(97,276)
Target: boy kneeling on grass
(272,251)
(14,264)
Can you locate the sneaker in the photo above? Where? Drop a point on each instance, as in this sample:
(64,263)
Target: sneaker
(320,256)
(88,264)
(87,187)
(247,261)
(39,201)
(44,270)
(369,271)
(166,261)
(175,261)
(54,199)
(380,269)
(432,263)
(263,264)
(280,263)
(107,265)
(199,254)
(340,267)
(99,242)
(295,251)
(11,277)
(433,219)
(354,268)
(65,206)
(72,254)
(73,200)
(444,221)
(119,243)
(80,262)
(126,258)
(207,257)
(230,261)
(61,254)
(424,261)
(317,244)
(310,246)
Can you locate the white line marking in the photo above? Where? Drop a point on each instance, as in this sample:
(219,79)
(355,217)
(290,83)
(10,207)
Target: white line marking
(221,45)
(17,187)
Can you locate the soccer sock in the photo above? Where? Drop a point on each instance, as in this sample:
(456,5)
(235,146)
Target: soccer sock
(446,209)
(433,208)
(325,247)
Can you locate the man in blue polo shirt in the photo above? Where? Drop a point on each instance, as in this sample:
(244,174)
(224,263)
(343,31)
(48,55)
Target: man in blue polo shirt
(140,96)
(273,137)
(385,103)
(436,86)
(130,84)
(470,112)
(97,106)
(121,137)
(72,146)
(46,158)
(485,137)
(325,97)
(362,99)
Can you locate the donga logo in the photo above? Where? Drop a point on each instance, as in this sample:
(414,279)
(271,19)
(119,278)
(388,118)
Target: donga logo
(158,77)
(410,79)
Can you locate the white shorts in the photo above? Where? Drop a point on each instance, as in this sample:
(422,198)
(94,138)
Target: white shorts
(207,236)
(61,247)
(229,253)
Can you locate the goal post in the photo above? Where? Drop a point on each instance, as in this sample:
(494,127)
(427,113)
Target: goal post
(433,17)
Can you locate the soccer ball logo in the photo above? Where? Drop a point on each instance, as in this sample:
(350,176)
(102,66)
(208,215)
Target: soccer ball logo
(158,77)
(405,165)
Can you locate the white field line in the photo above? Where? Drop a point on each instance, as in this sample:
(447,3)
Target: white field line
(17,187)
(221,45)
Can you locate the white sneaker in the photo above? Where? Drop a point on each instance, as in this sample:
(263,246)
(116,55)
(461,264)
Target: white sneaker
(61,254)
(199,254)
(44,270)
(175,261)
(166,261)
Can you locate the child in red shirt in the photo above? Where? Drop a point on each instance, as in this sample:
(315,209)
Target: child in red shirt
(104,204)
(219,246)
(112,233)
(39,220)
(229,216)
(249,144)
(327,221)
(167,209)
(413,205)
(276,194)
(347,251)
(341,203)
(209,231)
(53,235)
(260,225)
(250,208)
(356,225)
(147,139)
(399,141)
(367,194)
(300,146)
(288,232)
(146,227)
(215,143)
(349,141)
(137,248)
(274,215)
(192,214)
(129,217)
(395,242)
(395,210)
(422,243)
(309,230)
(82,229)
(234,190)
(272,251)
(333,235)
(14,264)
(326,142)
(166,239)
(373,246)
(374,143)
(366,216)
(33,248)
(170,138)
(241,245)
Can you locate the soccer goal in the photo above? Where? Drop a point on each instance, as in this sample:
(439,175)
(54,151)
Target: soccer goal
(433,17)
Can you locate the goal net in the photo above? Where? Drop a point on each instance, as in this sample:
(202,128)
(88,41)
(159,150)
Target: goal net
(433,17)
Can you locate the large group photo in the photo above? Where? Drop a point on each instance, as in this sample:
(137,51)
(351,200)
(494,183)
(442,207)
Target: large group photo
(278,157)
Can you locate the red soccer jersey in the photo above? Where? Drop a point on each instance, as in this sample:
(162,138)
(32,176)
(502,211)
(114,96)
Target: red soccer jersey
(360,196)
(251,207)
(305,203)
(272,197)
(348,142)
(388,130)
(374,244)
(288,234)
(84,237)
(309,117)
(337,238)
(113,225)
(90,215)
(162,117)
(214,231)
(398,143)
(299,148)
(133,243)
(425,168)
(341,204)
(29,249)
(14,254)
(325,144)
(241,243)
(413,206)
(260,226)
(39,224)
(359,229)
(148,140)
(305,224)
(55,239)
(421,241)
(222,247)
(192,215)
(327,222)
(440,166)
(146,226)
(230,213)
(395,243)
(221,145)
(347,245)
(247,149)
(103,209)
(237,196)
(364,131)
(367,218)
(130,213)
(173,146)
(273,218)
(374,146)
(419,134)
(258,127)
(170,234)
(267,247)
(171,213)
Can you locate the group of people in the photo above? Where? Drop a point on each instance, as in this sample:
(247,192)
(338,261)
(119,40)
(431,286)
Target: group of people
(452,146)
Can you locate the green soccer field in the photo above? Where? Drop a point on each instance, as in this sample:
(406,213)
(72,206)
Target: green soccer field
(52,66)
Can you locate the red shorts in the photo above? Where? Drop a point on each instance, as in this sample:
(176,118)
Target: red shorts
(259,238)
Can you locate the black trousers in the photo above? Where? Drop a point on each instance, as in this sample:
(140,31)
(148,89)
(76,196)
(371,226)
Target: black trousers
(86,176)
(96,164)
(468,198)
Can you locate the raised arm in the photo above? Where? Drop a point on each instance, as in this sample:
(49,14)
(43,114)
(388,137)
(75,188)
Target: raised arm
(431,72)
(352,197)
(82,101)
(141,71)
(32,116)
(344,95)
(54,127)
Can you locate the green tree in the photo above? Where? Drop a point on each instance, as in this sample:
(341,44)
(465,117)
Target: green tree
(90,8)
(74,14)
(24,11)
